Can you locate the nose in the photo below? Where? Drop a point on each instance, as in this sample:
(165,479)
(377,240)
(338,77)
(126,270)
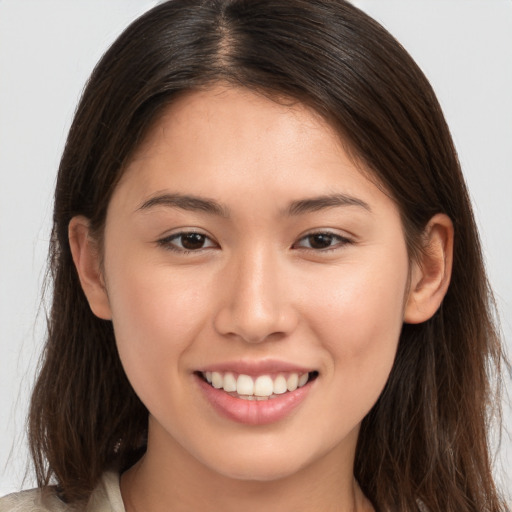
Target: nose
(255,304)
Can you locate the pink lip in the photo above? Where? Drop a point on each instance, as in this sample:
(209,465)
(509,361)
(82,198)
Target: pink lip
(253,412)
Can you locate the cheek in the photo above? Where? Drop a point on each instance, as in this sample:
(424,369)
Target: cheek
(359,320)
(156,316)
(360,306)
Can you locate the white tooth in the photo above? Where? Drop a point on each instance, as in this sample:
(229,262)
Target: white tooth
(208,376)
(229,382)
(217,380)
(303,379)
(244,385)
(280,385)
(263,386)
(292,383)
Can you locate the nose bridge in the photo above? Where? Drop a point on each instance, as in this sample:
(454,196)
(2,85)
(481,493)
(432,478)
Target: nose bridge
(258,287)
(255,306)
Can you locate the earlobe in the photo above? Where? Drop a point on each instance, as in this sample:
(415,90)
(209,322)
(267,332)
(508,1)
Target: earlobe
(87,258)
(430,276)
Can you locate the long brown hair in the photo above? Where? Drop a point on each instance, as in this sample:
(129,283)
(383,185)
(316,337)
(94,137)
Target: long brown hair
(424,444)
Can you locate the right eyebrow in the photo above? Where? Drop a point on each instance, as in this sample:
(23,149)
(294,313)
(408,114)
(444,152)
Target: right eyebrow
(185,202)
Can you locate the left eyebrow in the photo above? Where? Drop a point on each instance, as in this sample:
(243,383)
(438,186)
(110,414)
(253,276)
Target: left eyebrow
(314,204)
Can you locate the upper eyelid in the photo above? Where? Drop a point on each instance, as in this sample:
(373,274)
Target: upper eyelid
(185,231)
(167,240)
(327,231)
(341,240)
(172,236)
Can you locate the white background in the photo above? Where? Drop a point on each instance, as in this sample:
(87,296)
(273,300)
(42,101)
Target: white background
(49,47)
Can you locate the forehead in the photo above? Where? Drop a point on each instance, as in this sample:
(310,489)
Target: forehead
(226,140)
(260,114)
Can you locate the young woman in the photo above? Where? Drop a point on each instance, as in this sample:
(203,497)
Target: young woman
(268,285)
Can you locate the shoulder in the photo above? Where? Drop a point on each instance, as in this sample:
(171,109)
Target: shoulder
(35,500)
(105,498)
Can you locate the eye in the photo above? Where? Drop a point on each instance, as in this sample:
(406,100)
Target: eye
(187,241)
(322,241)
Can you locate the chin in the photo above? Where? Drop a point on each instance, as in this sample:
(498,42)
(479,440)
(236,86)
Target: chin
(262,464)
(267,470)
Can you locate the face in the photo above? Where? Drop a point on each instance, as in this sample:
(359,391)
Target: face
(243,247)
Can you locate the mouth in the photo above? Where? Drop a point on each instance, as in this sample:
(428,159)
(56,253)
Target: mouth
(257,387)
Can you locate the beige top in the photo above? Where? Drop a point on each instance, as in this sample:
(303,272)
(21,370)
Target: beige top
(105,498)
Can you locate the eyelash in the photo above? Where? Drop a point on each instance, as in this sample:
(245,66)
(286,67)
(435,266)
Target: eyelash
(340,241)
(168,242)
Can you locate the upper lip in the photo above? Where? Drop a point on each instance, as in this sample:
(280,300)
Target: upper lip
(256,367)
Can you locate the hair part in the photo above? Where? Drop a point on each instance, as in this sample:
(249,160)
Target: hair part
(425,440)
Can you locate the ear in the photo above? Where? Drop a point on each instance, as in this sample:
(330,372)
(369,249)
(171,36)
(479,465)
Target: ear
(430,274)
(87,259)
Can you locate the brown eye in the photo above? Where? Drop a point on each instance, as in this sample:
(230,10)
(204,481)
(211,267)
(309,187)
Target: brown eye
(192,241)
(187,241)
(322,241)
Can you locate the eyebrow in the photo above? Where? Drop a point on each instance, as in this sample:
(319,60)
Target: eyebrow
(322,202)
(302,206)
(185,202)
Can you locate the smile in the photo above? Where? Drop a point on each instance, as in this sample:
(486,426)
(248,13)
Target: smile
(262,387)
(255,397)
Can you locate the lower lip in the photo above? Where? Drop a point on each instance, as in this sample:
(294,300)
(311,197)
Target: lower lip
(253,412)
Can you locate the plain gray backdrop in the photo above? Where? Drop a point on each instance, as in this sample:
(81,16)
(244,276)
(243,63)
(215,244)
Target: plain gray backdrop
(49,47)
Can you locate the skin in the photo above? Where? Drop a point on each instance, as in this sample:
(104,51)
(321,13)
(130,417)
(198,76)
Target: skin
(256,290)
